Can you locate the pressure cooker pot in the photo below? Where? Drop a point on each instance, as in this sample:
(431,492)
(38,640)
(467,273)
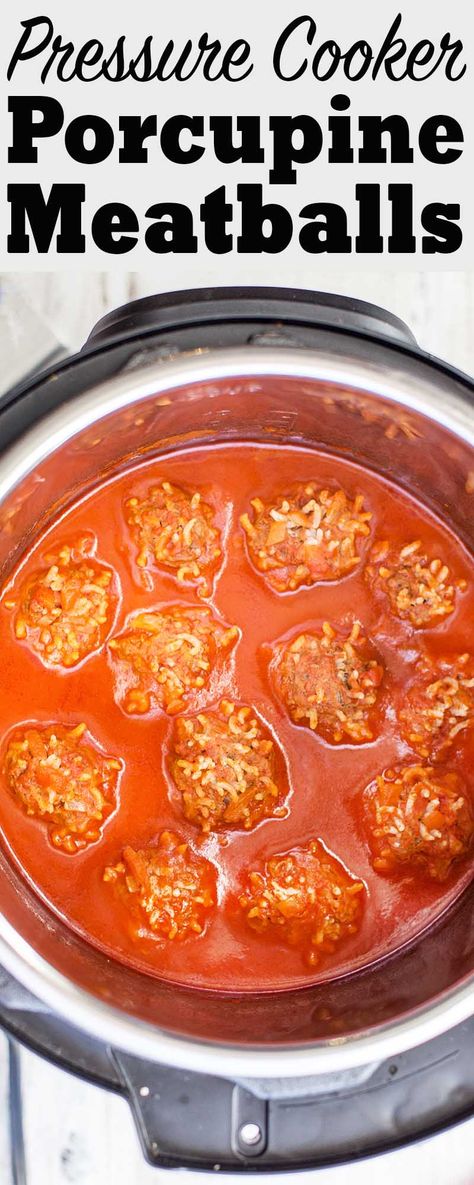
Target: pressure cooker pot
(211,367)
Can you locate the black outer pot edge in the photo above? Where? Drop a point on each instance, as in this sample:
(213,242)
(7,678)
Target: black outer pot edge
(105,343)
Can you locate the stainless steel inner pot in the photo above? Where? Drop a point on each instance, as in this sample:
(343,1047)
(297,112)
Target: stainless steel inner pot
(399,414)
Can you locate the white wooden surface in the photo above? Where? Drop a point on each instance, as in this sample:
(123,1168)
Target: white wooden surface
(75,1133)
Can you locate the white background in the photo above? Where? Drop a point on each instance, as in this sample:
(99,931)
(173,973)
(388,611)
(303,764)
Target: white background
(262,93)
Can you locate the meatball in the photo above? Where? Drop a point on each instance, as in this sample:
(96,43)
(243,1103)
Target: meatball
(419,589)
(223,764)
(306,536)
(165,655)
(175,528)
(419,818)
(439,706)
(305,898)
(65,608)
(168,890)
(56,775)
(330,682)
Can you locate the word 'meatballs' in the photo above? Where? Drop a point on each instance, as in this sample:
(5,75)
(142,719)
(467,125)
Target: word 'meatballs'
(175,529)
(168,891)
(330,682)
(223,763)
(419,589)
(167,655)
(438,708)
(306,536)
(65,607)
(60,777)
(304,898)
(418,818)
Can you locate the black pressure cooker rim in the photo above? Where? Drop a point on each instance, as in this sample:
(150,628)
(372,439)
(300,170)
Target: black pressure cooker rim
(283,306)
(166,324)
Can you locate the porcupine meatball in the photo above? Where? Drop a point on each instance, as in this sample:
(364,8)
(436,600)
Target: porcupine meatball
(174,528)
(57,775)
(306,536)
(420,590)
(168,890)
(438,708)
(223,764)
(65,607)
(304,898)
(165,656)
(330,682)
(418,818)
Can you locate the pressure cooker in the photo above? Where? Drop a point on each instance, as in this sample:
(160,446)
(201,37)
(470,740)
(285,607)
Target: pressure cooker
(258,1080)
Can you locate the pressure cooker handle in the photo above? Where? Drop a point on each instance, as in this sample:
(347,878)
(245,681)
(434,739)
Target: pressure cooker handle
(192,1119)
(197,1120)
(240,316)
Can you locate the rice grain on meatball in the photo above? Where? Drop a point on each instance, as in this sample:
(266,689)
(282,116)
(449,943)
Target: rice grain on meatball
(306,536)
(438,708)
(330,682)
(223,764)
(165,656)
(168,890)
(418,818)
(174,528)
(303,898)
(65,607)
(58,776)
(420,590)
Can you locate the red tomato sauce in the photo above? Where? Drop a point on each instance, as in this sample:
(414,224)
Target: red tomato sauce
(319,785)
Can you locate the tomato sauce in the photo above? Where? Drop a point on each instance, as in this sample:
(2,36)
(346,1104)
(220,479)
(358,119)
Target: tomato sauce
(320,784)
